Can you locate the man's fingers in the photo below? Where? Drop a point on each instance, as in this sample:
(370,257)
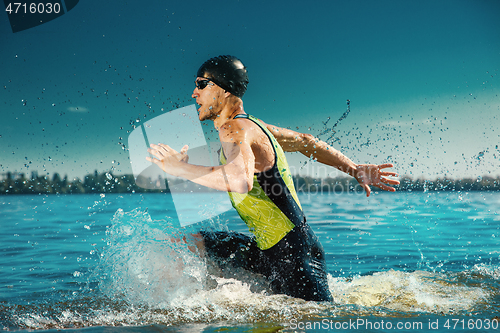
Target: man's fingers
(382,184)
(367,189)
(388,174)
(155,153)
(376,177)
(388,188)
(166,148)
(390,181)
(153,160)
(385,187)
(386,165)
(184,154)
(164,152)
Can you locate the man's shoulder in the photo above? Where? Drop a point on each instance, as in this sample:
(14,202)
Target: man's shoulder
(244,130)
(238,124)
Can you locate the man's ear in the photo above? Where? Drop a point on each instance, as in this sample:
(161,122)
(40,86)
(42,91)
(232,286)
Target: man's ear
(227,94)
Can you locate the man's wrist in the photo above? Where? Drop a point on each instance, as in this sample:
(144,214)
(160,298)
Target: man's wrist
(349,168)
(353,169)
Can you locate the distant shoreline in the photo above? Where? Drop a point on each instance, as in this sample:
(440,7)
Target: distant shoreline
(106,182)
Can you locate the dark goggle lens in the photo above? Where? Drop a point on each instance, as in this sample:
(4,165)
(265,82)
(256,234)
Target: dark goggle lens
(202,84)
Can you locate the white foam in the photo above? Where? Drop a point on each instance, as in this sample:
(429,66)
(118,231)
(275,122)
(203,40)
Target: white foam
(487,270)
(417,291)
(232,300)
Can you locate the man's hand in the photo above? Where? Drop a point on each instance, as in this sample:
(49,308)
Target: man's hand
(167,158)
(371,174)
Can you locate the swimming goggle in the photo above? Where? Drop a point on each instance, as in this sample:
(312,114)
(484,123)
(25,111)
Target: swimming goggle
(202,84)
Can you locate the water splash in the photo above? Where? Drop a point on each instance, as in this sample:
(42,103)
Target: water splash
(145,268)
(331,130)
(147,262)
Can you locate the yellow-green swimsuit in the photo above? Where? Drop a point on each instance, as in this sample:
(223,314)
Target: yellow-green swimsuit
(271,209)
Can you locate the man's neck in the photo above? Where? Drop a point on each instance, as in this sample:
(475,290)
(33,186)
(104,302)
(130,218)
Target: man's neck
(228,113)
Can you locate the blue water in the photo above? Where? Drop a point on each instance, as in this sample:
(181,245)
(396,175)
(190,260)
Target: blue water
(423,261)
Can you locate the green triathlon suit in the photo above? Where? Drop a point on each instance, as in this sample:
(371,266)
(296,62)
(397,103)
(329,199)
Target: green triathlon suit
(284,249)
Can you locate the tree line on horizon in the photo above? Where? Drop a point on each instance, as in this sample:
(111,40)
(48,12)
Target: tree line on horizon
(106,182)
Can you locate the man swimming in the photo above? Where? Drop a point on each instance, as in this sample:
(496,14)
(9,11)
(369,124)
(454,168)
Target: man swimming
(255,173)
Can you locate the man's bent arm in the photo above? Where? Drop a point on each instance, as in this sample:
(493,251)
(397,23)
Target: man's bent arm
(226,178)
(235,176)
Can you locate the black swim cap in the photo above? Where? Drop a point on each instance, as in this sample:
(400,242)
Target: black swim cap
(227,72)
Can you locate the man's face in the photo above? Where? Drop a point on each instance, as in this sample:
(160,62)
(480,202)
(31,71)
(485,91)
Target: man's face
(207,96)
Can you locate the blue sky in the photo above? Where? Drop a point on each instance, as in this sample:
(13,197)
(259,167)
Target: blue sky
(422,78)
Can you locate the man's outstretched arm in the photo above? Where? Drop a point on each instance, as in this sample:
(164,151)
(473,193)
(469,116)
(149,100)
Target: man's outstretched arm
(308,145)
